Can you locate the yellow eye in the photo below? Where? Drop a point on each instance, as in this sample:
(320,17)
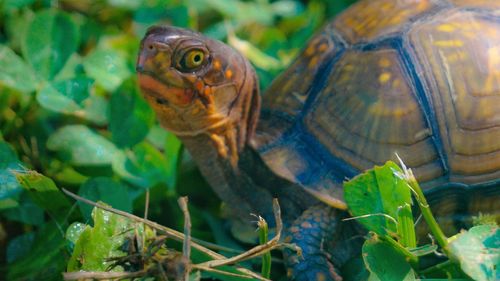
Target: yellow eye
(193,59)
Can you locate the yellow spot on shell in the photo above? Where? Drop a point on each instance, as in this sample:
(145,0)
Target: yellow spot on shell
(446,28)
(320,276)
(229,74)
(384,62)
(349,67)
(384,77)
(449,43)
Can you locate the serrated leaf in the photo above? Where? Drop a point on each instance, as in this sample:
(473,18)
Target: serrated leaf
(96,245)
(130,117)
(376,195)
(478,252)
(17,75)
(106,190)
(45,194)
(52,37)
(385,263)
(107,67)
(81,146)
(143,166)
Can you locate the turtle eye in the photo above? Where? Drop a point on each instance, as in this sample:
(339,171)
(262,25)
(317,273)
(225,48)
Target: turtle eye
(192,59)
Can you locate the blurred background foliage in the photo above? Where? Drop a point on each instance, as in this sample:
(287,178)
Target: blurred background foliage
(70,109)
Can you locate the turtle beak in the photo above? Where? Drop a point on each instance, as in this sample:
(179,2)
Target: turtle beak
(139,67)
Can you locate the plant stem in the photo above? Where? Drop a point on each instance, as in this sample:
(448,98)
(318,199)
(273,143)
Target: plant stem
(263,238)
(411,258)
(441,239)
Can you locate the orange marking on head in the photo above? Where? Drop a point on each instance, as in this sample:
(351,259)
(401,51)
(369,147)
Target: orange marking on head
(323,47)
(198,85)
(229,74)
(208,91)
(313,62)
(217,65)
(310,50)
(178,96)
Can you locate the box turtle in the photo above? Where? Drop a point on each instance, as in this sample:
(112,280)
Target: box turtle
(420,78)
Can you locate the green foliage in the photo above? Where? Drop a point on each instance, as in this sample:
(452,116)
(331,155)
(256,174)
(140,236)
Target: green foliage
(379,196)
(70,110)
(478,252)
(385,263)
(96,244)
(380,199)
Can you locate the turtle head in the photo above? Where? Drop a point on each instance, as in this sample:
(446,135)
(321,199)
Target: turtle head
(198,85)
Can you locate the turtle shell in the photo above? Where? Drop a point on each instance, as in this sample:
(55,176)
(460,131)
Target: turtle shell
(419,78)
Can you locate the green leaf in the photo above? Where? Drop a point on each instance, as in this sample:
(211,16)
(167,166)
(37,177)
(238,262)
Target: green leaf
(52,37)
(16,4)
(74,232)
(97,244)
(143,166)
(8,161)
(17,75)
(126,4)
(45,259)
(50,98)
(107,67)
(73,97)
(376,195)
(385,263)
(478,252)
(26,211)
(106,190)
(45,194)
(81,146)
(130,117)
(19,246)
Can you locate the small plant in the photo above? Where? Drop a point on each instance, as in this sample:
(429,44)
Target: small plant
(380,200)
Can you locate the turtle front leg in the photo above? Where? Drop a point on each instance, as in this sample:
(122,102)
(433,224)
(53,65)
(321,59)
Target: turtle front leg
(319,232)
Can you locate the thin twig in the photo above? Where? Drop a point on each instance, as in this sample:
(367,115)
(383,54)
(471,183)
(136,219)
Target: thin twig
(257,250)
(81,275)
(146,207)
(209,269)
(186,247)
(176,235)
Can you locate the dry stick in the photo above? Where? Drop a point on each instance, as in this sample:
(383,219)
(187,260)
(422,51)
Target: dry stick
(80,275)
(186,246)
(146,207)
(176,235)
(209,269)
(271,244)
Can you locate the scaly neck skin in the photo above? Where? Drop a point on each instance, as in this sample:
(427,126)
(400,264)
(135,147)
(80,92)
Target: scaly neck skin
(232,184)
(249,187)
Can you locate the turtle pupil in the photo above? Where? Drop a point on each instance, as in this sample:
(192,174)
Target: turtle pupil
(197,58)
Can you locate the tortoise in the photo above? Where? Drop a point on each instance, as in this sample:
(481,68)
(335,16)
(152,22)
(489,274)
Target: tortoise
(420,78)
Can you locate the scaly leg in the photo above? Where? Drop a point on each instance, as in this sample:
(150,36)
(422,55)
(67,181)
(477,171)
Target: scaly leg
(318,232)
